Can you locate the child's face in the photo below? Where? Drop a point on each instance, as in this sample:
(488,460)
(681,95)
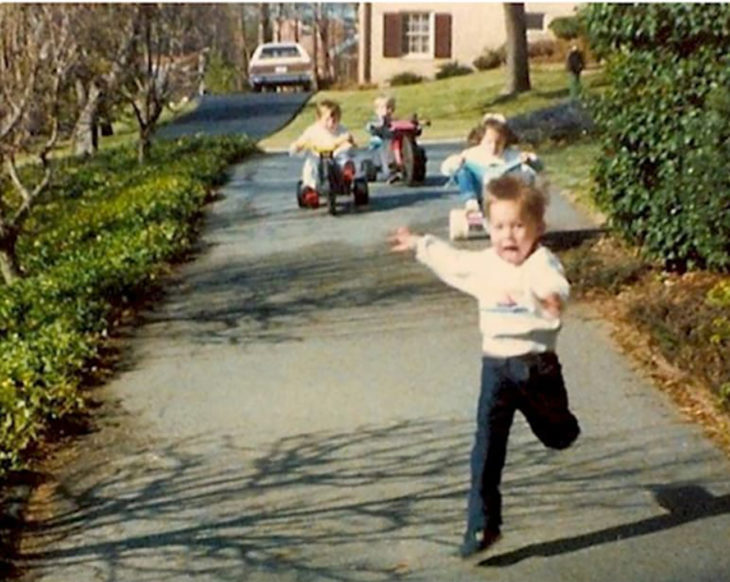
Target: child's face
(381,109)
(328,119)
(513,233)
(493,141)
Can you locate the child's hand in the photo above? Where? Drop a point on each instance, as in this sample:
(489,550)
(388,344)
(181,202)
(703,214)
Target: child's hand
(527,157)
(552,305)
(403,240)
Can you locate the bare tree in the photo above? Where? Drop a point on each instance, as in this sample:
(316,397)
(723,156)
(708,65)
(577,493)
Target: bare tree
(240,40)
(518,70)
(104,59)
(264,23)
(160,70)
(37,53)
(296,21)
(322,34)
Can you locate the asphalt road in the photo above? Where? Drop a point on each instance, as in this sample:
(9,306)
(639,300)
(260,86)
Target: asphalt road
(256,114)
(300,406)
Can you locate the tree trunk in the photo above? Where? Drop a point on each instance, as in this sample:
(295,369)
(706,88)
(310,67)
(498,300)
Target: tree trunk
(242,48)
(264,23)
(315,47)
(518,70)
(295,8)
(365,32)
(85,132)
(278,22)
(9,266)
(323,29)
(143,145)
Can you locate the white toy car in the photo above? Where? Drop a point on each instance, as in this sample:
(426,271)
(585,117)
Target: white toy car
(280,64)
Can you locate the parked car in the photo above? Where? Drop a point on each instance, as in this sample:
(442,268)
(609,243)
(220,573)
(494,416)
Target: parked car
(280,64)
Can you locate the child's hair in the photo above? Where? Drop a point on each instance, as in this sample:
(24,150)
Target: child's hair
(498,123)
(387,100)
(475,135)
(328,105)
(532,198)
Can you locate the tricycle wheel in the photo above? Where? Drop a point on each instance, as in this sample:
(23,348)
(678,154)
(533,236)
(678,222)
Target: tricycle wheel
(360,192)
(409,161)
(419,169)
(300,194)
(369,170)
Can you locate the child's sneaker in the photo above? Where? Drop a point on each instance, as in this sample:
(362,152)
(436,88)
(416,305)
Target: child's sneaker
(473,544)
(394,176)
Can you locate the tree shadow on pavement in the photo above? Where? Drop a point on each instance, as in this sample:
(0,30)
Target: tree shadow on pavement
(684,503)
(280,297)
(383,202)
(378,500)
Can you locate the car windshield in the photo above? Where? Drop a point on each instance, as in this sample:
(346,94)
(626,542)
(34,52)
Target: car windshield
(278,52)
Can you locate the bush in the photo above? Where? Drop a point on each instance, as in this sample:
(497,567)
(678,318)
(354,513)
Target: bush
(566,27)
(665,123)
(405,78)
(489,59)
(220,75)
(101,241)
(452,69)
(541,49)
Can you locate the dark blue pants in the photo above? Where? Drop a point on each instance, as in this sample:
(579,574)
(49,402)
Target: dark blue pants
(532,384)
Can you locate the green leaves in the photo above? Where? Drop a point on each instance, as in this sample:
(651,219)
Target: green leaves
(665,128)
(103,240)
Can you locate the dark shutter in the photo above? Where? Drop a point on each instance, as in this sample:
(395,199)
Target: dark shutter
(442,50)
(392,34)
(535,20)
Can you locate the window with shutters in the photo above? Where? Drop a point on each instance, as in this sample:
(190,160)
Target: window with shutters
(416,33)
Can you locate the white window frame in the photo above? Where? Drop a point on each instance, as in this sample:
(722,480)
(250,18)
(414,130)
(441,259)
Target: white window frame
(431,36)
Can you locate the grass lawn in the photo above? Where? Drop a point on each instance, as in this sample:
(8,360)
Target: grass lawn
(452,105)
(569,166)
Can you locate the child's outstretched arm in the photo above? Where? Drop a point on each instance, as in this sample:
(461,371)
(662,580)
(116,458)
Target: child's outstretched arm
(403,240)
(455,267)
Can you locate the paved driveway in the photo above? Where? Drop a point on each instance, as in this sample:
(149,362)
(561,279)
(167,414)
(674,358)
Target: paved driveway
(255,114)
(300,406)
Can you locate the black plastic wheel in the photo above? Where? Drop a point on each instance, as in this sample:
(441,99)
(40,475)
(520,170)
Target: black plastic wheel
(361,192)
(300,199)
(408,154)
(330,184)
(419,170)
(369,170)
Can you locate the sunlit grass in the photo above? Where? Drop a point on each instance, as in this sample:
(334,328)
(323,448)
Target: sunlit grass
(452,105)
(569,168)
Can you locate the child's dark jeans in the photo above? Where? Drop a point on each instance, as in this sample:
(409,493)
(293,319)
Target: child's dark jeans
(532,384)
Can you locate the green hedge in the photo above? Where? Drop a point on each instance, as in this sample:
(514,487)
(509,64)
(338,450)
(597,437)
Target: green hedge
(665,120)
(566,27)
(101,240)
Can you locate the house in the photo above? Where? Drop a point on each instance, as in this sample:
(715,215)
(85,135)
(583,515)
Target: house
(419,37)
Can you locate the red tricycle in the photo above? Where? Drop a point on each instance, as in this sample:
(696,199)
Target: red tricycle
(332,181)
(409,158)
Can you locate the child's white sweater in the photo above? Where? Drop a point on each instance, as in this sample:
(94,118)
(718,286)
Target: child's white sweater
(511,319)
